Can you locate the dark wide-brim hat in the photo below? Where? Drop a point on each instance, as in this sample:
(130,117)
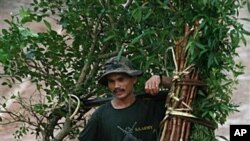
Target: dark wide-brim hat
(118,65)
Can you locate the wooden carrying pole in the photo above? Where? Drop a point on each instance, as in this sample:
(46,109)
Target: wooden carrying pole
(181,94)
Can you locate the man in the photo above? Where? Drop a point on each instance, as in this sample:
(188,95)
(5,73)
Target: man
(125,118)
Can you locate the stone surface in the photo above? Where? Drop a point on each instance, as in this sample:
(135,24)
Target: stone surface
(241,95)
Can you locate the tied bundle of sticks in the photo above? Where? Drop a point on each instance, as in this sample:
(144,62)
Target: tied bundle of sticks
(175,125)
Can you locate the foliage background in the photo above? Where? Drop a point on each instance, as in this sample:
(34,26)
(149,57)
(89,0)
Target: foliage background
(148,40)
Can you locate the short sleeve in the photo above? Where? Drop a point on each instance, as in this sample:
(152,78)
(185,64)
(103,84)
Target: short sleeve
(90,132)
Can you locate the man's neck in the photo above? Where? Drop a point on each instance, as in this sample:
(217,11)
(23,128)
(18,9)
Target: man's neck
(123,103)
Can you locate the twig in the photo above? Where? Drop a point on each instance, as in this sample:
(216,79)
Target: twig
(127,4)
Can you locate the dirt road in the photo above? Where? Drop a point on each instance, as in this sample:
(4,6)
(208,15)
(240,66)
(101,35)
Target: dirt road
(241,95)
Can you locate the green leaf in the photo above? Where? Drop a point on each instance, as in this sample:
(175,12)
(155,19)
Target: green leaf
(4,83)
(25,15)
(13,97)
(18,78)
(4,32)
(144,33)
(66,62)
(137,14)
(120,53)
(248,6)
(109,37)
(47,24)
(26,32)
(4,105)
(222,137)
(244,31)
(35,1)
(245,19)
(3,56)
(149,13)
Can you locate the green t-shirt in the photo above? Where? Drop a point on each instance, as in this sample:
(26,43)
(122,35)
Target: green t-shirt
(138,122)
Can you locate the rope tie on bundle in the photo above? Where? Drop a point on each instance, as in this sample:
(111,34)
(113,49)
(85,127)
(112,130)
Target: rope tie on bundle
(173,110)
(183,112)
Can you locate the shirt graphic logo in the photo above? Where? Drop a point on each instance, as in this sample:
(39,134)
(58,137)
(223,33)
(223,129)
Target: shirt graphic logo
(128,131)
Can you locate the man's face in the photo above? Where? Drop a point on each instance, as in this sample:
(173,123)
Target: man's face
(121,85)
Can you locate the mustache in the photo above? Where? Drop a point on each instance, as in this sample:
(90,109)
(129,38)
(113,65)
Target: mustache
(117,90)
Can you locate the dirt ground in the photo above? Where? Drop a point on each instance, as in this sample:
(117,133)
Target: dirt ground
(241,95)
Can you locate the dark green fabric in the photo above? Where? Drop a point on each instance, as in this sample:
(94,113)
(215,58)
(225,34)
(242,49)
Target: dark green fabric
(138,122)
(118,65)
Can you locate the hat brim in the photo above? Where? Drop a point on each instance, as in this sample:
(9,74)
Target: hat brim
(103,78)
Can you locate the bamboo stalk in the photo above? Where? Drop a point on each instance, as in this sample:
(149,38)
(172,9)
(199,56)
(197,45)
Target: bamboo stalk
(187,132)
(192,92)
(170,124)
(164,131)
(181,94)
(183,130)
(186,93)
(179,125)
(177,54)
(172,135)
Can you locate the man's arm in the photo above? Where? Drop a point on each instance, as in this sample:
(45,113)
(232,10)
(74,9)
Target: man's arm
(91,131)
(152,85)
